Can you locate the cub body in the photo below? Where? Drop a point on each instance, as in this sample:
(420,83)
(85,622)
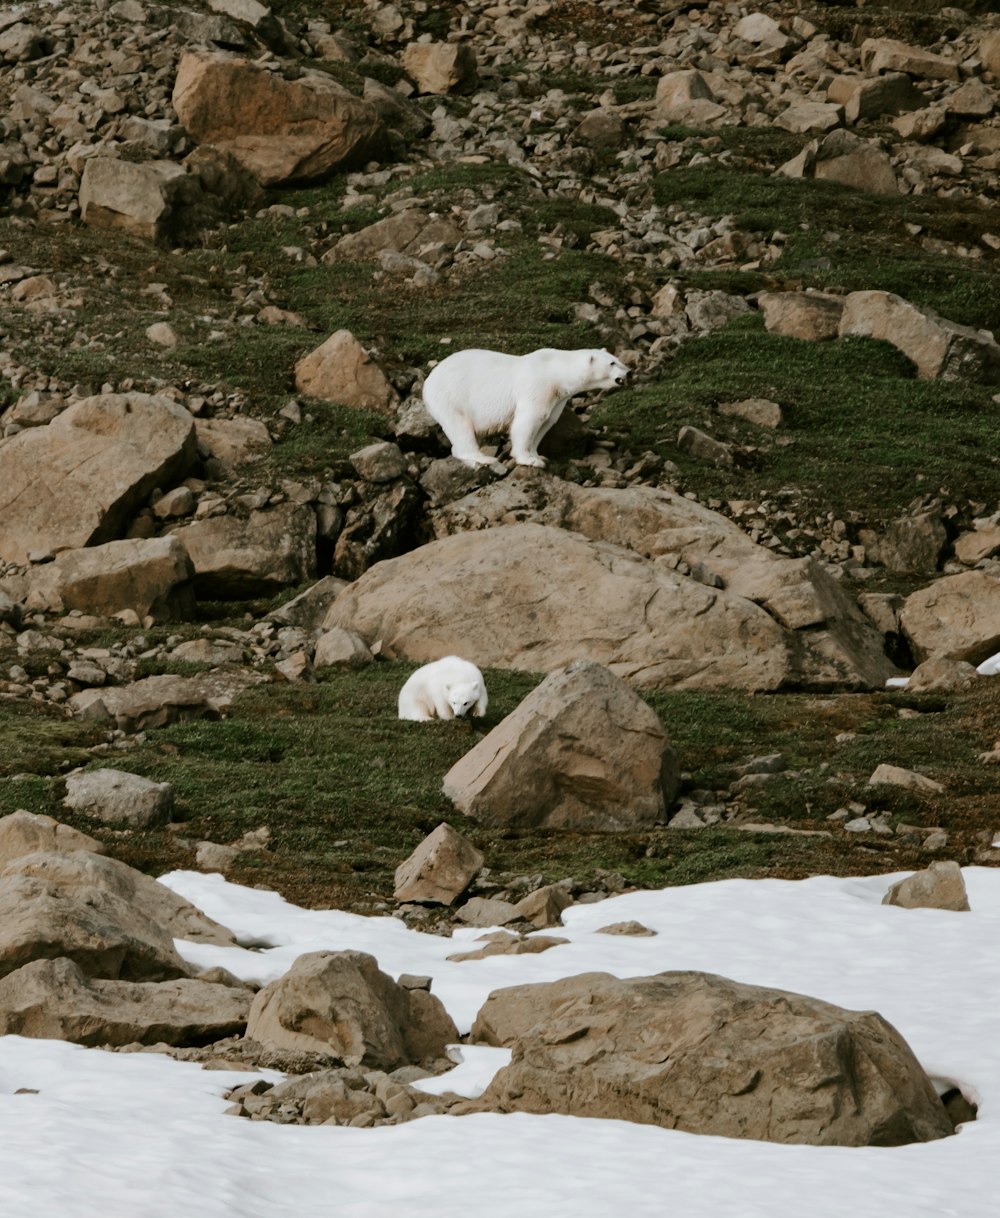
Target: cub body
(444,689)
(477,393)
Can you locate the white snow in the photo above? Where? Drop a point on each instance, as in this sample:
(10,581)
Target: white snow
(990,667)
(142,1136)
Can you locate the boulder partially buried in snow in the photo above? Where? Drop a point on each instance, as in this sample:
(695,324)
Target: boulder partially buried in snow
(101,457)
(700,1053)
(342,1004)
(582,751)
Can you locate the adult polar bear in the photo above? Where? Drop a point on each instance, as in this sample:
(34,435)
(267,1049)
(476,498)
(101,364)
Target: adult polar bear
(477,393)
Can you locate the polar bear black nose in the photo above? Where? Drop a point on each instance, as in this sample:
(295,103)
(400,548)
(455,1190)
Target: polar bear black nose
(619,380)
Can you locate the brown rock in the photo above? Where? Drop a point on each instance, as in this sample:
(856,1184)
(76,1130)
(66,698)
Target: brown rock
(269,550)
(890,55)
(441,67)
(85,870)
(502,943)
(892,93)
(912,543)
(982,542)
(340,1003)
(942,676)
(440,869)
(808,315)
(148,198)
(940,886)
(938,347)
(156,701)
(700,1053)
(845,158)
(149,576)
(957,618)
(896,776)
(544,906)
(410,232)
(582,751)
(341,649)
(761,411)
(281,130)
(27,833)
(989,52)
(626,610)
(233,441)
(102,457)
(117,797)
(340,370)
(54,1000)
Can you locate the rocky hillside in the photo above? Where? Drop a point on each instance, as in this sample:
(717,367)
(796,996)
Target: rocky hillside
(235,240)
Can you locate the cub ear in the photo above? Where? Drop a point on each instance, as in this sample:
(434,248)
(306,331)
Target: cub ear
(591,358)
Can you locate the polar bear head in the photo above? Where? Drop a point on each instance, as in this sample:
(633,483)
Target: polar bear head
(604,370)
(462,698)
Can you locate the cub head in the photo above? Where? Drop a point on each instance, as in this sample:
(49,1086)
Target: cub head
(462,698)
(606,370)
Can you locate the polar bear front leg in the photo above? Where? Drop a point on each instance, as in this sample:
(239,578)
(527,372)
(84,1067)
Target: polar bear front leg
(442,707)
(531,421)
(464,445)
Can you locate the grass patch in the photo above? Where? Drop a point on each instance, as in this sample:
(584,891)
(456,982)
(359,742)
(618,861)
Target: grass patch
(867,435)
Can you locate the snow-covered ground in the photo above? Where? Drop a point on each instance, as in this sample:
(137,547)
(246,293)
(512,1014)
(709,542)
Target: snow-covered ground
(141,1136)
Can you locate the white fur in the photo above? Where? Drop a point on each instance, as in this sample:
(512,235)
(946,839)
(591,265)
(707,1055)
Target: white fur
(444,689)
(477,393)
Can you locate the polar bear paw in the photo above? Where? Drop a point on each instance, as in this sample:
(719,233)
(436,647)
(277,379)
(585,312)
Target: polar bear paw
(530,459)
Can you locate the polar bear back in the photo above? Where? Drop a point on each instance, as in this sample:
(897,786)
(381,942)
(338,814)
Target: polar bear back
(486,386)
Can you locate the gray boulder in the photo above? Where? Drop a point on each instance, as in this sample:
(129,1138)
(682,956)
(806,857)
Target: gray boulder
(115,797)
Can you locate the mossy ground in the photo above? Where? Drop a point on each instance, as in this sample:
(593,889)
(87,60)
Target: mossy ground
(348,790)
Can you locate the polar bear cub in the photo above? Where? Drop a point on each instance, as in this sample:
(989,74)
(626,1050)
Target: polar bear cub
(444,689)
(476,393)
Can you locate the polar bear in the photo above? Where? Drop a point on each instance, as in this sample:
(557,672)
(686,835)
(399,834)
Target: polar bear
(476,393)
(443,689)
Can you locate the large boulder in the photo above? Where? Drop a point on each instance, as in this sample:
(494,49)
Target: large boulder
(78,481)
(581,751)
(55,1000)
(41,919)
(701,1053)
(340,1003)
(85,870)
(235,557)
(891,55)
(832,644)
(535,599)
(24,832)
(281,130)
(955,618)
(938,347)
(150,576)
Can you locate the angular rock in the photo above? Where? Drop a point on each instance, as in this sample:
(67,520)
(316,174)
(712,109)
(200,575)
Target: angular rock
(156,701)
(940,886)
(151,577)
(85,871)
(380,462)
(310,607)
(24,832)
(281,130)
(115,797)
(581,751)
(703,447)
(704,1054)
(41,920)
(486,911)
(54,1000)
(956,618)
(625,611)
(377,529)
(441,67)
(411,232)
(982,542)
(912,543)
(837,645)
(233,441)
(810,118)
(846,158)
(938,347)
(808,315)
(942,676)
(102,457)
(341,649)
(890,55)
(760,411)
(237,558)
(544,906)
(892,93)
(148,199)
(340,370)
(440,869)
(340,1003)
(897,776)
